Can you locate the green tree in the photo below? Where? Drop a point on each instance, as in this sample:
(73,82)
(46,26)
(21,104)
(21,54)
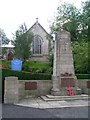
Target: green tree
(68,18)
(3,40)
(85,20)
(80,52)
(77,22)
(86,26)
(3,37)
(22,42)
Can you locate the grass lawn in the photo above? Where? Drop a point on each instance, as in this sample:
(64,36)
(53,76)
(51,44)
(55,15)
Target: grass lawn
(37,67)
(39,64)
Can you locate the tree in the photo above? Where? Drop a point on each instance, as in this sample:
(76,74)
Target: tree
(68,18)
(3,38)
(85,20)
(77,22)
(22,42)
(80,52)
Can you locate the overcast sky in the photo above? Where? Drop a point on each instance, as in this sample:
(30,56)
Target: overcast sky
(13,13)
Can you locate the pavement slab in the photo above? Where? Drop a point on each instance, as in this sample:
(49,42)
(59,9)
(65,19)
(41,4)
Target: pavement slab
(40,103)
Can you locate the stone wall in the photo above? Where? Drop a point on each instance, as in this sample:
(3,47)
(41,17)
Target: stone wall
(34,87)
(84,85)
(43,87)
(11,93)
(18,89)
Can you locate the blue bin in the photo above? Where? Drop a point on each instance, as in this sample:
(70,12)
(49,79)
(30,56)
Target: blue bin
(16,65)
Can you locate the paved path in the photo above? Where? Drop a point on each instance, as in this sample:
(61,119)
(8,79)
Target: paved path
(39,103)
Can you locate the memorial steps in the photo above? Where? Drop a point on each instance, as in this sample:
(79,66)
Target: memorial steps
(65,98)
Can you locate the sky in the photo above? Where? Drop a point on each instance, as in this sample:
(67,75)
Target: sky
(13,13)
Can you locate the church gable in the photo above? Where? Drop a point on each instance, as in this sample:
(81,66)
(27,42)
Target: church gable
(38,29)
(40,44)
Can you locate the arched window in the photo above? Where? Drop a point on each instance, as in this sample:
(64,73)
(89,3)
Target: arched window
(37,42)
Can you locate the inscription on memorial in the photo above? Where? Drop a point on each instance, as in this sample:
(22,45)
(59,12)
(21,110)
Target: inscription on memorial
(65,82)
(30,85)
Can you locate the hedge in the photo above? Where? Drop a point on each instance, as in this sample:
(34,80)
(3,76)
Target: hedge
(83,76)
(37,76)
(25,75)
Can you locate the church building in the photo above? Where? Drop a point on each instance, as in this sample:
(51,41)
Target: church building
(40,44)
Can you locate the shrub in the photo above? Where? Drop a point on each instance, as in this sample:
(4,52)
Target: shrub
(24,75)
(41,70)
(6,63)
(33,67)
(83,76)
(25,67)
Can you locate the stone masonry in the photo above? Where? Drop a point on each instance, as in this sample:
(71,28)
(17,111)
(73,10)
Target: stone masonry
(11,90)
(63,70)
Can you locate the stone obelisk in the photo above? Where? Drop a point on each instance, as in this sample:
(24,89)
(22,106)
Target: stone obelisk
(63,66)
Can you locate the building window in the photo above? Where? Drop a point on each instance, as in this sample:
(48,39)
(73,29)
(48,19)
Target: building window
(37,42)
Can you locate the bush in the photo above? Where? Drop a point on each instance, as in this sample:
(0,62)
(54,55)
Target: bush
(25,75)
(33,67)
(6,63)
(80,53)
(25,67)
(41,70)
(83,76)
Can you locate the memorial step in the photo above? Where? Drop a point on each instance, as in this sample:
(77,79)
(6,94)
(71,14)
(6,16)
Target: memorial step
(61,98)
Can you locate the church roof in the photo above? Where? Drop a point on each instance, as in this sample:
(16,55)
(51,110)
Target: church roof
(38,25)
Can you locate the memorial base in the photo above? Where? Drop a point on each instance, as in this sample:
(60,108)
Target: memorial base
(55,92)
(61,84)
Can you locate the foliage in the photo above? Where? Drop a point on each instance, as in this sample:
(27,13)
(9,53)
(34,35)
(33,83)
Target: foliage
(50,39)
(85,20)
(50,58)
(25,67)
(4,51)
(51,47)
(37,67)
(39,64)
(3,37)
(25,75)
(67,19)
(32,67)
(76,21)
(37,76)
(6,63)
(83,76)
(22,42)
(80,51)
